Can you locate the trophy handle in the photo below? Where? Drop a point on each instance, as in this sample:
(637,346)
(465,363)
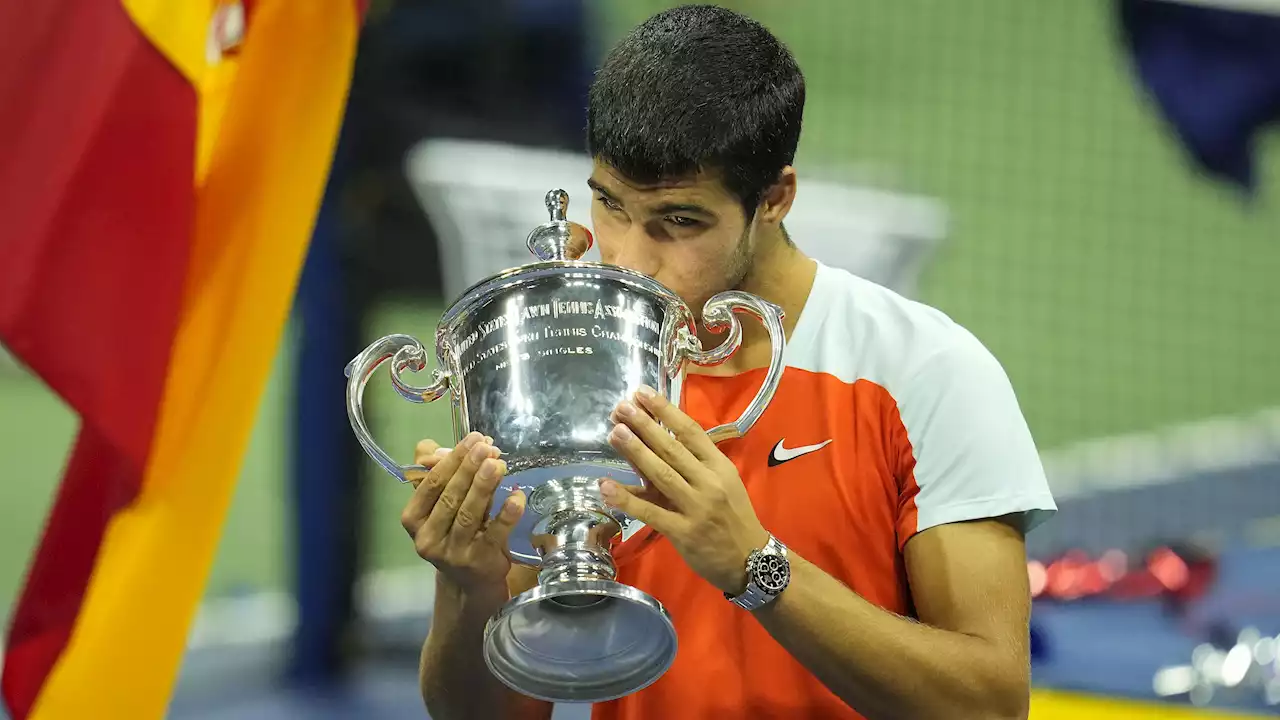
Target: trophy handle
(405,353)
(719,314)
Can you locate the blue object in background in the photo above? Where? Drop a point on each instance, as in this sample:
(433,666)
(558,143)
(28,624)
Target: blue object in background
(1214,73)
(325,494)
(1039,643)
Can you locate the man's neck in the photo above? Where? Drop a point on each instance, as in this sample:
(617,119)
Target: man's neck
(781,274)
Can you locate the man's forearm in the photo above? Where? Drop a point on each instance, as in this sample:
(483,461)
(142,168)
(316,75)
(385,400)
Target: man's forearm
(886,666)
(456,684)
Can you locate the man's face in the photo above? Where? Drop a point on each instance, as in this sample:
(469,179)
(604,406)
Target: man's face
(690,235)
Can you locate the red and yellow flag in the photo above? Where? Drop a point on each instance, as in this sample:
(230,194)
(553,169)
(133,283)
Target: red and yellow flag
(161,168)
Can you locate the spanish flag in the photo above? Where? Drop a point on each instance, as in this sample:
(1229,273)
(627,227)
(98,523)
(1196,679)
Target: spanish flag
(161,168)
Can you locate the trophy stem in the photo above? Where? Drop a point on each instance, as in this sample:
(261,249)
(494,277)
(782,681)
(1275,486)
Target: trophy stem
(573,533)
(579,635)
(577,562)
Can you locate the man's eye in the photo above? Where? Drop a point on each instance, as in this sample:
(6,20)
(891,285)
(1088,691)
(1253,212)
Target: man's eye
(608,203)
(684,222)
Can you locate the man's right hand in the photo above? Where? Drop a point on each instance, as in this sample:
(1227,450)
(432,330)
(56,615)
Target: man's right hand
(448,515)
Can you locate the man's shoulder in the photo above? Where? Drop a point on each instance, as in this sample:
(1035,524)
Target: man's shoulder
(865,331)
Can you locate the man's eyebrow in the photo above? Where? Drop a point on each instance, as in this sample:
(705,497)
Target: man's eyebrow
(591,183)
(670,208)
(664,209)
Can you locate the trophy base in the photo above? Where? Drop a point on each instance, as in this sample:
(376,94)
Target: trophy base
(580,641)
(579,479)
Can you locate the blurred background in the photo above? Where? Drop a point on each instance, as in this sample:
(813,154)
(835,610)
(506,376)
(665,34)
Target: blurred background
(1070,179)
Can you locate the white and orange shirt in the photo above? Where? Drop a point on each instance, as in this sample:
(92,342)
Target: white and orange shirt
(890,419)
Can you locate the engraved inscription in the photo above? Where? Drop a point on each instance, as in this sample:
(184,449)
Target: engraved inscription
(599,310)
(599,332)
(566,350)
(537,326)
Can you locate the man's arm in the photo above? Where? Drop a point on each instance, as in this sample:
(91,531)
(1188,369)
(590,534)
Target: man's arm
(967,456)
(455,681)
(968,657)
(448,519)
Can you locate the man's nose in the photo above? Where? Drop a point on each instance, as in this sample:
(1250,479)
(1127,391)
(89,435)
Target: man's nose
(636,252)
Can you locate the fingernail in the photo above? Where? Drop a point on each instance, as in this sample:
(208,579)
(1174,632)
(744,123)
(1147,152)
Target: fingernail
(488,470)
(510,506)
(479,452)
(646,392)
(488,439)
(443,452)
(626,409)
(471,439)
(608,489)
(622,433)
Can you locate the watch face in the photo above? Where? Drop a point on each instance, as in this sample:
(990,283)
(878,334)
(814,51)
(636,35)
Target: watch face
(772,573)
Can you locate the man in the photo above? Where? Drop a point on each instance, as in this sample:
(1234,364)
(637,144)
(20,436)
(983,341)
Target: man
(893,474)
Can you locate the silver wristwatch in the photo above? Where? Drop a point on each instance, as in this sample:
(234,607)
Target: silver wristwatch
(768,572)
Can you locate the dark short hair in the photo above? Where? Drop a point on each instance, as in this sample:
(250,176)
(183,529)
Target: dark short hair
(698,88)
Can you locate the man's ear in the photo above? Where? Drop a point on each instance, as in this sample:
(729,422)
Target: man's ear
(776,202)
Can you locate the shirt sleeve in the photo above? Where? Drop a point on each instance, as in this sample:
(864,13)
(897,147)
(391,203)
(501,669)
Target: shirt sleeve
(970,454)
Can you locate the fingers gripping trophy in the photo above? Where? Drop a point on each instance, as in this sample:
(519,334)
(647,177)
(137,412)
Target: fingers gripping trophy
(536,358)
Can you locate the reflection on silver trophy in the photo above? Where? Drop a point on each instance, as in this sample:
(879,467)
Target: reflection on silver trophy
(537,357)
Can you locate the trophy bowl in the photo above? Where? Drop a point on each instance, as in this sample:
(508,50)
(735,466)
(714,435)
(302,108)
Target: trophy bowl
(537,357)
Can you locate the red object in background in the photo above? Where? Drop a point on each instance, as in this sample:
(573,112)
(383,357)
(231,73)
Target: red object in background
(1075,575)
(1066,578)
(1180,574)
(1199,574)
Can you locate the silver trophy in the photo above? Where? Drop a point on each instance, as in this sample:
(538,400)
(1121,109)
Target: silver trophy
(537,357)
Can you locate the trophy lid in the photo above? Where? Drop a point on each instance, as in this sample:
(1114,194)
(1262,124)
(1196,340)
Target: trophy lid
(561,238)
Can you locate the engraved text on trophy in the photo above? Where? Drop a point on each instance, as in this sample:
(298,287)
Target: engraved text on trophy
(554,328)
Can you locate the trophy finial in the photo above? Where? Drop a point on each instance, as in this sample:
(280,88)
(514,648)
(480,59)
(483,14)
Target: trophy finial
(561,238)
(558,205)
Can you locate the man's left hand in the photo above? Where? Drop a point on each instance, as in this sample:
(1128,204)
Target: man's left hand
(704,509)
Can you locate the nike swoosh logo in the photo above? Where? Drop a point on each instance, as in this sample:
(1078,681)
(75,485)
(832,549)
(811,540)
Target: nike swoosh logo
(781,454)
